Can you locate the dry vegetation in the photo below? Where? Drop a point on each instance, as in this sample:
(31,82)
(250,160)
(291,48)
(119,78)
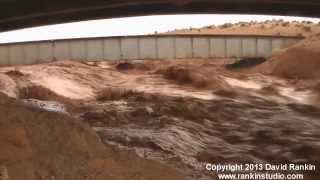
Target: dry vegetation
(268,27)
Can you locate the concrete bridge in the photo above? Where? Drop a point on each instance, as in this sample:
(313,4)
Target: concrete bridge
(16,14)
(143,47)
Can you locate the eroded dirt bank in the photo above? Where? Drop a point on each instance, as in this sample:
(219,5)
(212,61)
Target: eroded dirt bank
(181,113)
(37,144)
(300,61)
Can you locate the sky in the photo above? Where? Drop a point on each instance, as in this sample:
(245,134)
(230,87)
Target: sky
(130,26)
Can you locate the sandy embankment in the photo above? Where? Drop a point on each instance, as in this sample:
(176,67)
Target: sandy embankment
(37,145)
(298,64)
(269,28)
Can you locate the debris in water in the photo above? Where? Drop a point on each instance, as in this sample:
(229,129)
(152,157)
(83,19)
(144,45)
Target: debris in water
(246,63)
(4,175)
(51,106)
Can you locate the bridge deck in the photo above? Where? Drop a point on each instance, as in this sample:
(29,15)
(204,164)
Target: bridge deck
(143,47)
(19,14)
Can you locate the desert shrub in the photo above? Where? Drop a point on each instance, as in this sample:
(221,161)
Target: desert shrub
(226,25)
(307,22)
(298,25)
(244,24)
(307,28)
(285,24)
(15,73)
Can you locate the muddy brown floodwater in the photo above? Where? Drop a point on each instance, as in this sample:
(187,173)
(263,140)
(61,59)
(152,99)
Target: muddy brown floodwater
(182,113)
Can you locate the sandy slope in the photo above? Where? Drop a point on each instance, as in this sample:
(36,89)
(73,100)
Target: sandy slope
(37,145)
(300,64)
(273,27)
(299,61)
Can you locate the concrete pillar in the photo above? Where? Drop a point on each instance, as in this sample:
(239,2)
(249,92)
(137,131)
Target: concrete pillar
(61,50)
(183,47)
(78,50)
(147,48)
(264,47)
(4,55)
(218,47)
(233,47)
(112,49)
(277,44)
(46,51)
(95,50)
(166,47)
(249,47)
(130,48)
(31,53)
(201,47)
(16,54)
